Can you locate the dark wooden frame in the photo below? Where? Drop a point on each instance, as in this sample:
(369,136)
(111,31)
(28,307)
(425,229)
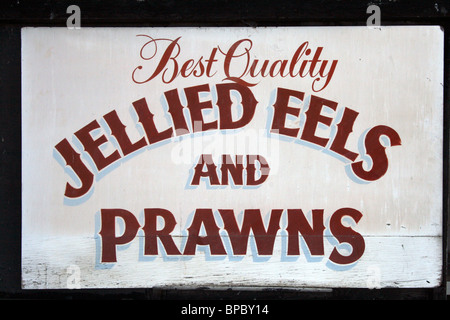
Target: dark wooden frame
(115,13)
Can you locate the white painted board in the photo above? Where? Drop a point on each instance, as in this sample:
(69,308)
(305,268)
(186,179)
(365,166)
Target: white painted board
(347,124)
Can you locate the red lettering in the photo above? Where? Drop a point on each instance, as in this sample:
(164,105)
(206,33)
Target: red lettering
(251,170)
(344,128)
(168,55)
(176,111)
(108,232)
(196,107)
(252,226)
(236,169)
(210,62)
(119,132)
(92,147)
(224,103)
(313,236)
(73,159)
(255,164)
(205,160)
(152,234)
(252,221)
(296,58)
(314,117)
(212,238)
(231,55)
(377,152)
(281,109)
(147,121)
(346,235)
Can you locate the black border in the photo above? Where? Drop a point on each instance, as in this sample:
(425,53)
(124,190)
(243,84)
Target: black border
(118,13)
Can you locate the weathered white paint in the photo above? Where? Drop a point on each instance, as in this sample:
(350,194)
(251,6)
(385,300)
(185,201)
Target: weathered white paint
(135,270)
(391,76)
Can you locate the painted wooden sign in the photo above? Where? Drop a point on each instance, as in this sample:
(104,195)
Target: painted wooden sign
(184,157)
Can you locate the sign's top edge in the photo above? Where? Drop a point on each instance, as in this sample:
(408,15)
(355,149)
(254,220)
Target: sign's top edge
(432,28)
(240,27)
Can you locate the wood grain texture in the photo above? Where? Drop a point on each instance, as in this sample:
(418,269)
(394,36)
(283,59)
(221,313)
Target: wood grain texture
(52,270)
